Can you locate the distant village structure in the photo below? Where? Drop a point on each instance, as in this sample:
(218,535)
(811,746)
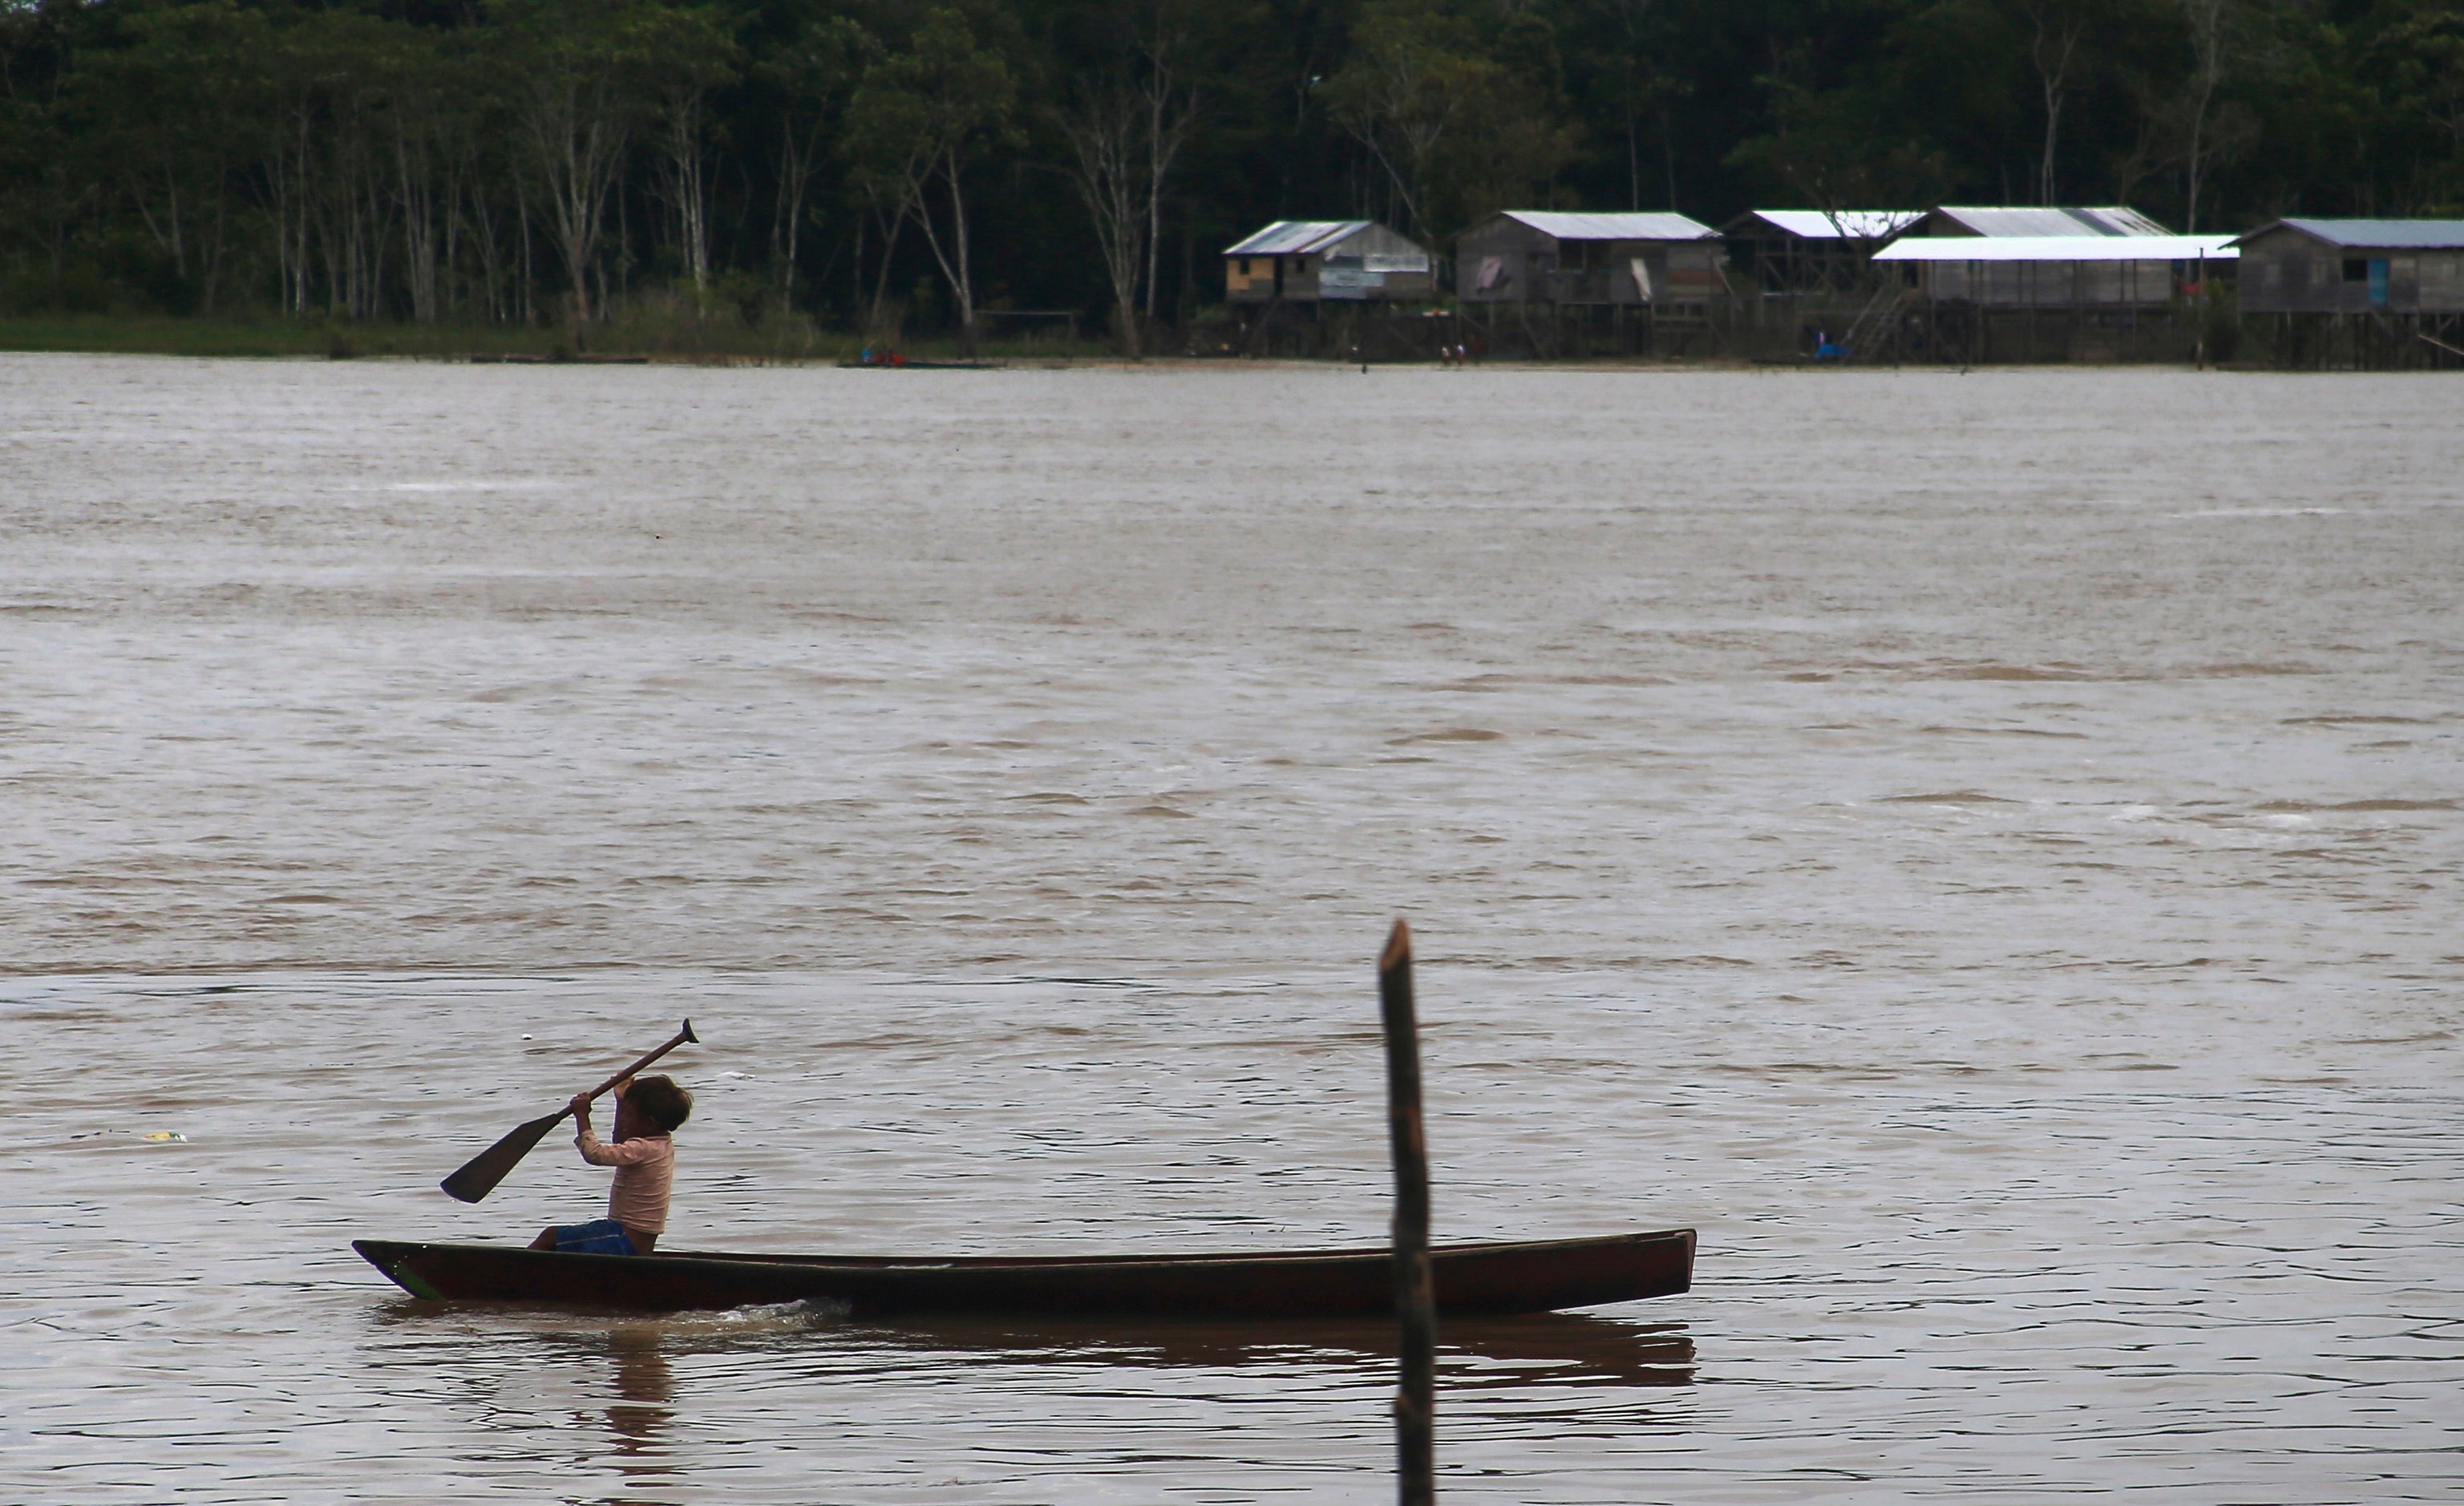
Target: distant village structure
(1968,283)
(1557,283)
(1965,219)
(1545,256)
(1308,261)
(1808,251)
(2005,282)
(2353,267)
(2096,272)
(2362,292)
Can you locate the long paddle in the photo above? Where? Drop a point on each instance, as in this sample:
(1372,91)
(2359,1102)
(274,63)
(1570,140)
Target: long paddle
(479,1176)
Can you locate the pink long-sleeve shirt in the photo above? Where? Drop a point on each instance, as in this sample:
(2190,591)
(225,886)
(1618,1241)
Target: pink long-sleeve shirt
(646,1167)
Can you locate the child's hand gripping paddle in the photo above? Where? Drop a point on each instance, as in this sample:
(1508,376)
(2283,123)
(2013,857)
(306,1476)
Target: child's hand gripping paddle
(479,1176)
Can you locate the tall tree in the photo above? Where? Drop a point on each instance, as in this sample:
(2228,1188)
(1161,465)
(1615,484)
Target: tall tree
(1458,126)
(174,114)
(576,101)
(2416,63)
(683,55)
(917,120)
(45,190)
(1125,131)
(1400,93)
(811,75)
(2206,22)
(2056,27)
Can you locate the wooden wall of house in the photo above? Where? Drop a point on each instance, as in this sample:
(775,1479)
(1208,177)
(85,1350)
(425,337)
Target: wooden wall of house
(1374,250)
(1256,285)
(2441,281)
(1376,265)
(1248,279)
(1376,240)
(2051,284)
(1540,269)
(1384,286)
(1778,262)
(1519,249)
(1692,269)
(2285,272)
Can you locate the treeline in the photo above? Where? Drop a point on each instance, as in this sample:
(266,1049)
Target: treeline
(936,162)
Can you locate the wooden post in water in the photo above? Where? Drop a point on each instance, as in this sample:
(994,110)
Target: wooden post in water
(1415,1295)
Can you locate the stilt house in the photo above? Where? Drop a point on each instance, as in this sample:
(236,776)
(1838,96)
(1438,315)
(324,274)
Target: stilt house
(1309,261)
(1808,251)
(2353,267)
(1544,256)
(2066,272)
(2027,220)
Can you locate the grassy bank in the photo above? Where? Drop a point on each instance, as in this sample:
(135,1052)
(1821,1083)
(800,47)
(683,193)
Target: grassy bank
(656,338)
(141,334)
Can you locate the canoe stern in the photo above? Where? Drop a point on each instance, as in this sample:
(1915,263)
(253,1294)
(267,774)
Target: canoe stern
(394,1260)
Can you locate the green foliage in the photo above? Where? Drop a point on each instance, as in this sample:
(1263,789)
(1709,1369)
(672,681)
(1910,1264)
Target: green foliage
(943,97)
(1458,124)
(535,164)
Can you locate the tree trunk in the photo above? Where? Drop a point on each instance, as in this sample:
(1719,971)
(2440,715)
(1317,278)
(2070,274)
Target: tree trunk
(580,141)
(419,229)
(788,214)
(964,282)
(1157,162)
(879,323)
(687,186)
(2051,44)
(1101,140)
(2206,18)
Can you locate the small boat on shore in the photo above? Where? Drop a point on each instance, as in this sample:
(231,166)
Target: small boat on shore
(1480,1279)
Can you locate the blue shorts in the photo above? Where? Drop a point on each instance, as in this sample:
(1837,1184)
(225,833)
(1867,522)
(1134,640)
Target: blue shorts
(599,1237)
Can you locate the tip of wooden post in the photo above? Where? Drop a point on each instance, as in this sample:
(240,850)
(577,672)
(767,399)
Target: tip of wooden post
(1398,949)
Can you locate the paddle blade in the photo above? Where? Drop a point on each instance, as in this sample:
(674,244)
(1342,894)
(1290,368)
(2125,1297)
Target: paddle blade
(479,1176)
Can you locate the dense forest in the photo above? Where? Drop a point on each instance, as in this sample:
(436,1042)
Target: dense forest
(938,164)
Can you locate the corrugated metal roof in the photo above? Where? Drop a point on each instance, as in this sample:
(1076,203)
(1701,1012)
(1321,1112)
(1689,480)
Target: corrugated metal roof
(2011,220)
(2407,235)
(1296,237)
(1613,227)
(1840,224)
(2058,248)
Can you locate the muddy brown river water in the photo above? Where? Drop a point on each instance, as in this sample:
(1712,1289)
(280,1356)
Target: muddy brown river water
(1983,848)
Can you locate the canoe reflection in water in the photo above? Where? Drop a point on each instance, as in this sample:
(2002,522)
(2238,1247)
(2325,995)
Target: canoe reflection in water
(651,1406)
(1534,1349)
(646,1393)
(1537,1350)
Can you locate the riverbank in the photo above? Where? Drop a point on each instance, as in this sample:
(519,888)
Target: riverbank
(789,340)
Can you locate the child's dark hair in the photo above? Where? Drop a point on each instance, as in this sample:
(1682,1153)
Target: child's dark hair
(660,1100)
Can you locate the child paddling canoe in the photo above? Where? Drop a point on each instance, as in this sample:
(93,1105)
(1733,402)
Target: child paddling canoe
(648,1110)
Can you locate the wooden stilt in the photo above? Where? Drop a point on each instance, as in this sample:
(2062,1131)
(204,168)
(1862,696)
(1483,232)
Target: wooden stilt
(1415,1296)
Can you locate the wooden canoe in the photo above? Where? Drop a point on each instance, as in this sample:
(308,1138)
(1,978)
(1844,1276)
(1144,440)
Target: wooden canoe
(1471,1279)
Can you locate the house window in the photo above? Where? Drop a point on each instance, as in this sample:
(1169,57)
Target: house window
(2357,269)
